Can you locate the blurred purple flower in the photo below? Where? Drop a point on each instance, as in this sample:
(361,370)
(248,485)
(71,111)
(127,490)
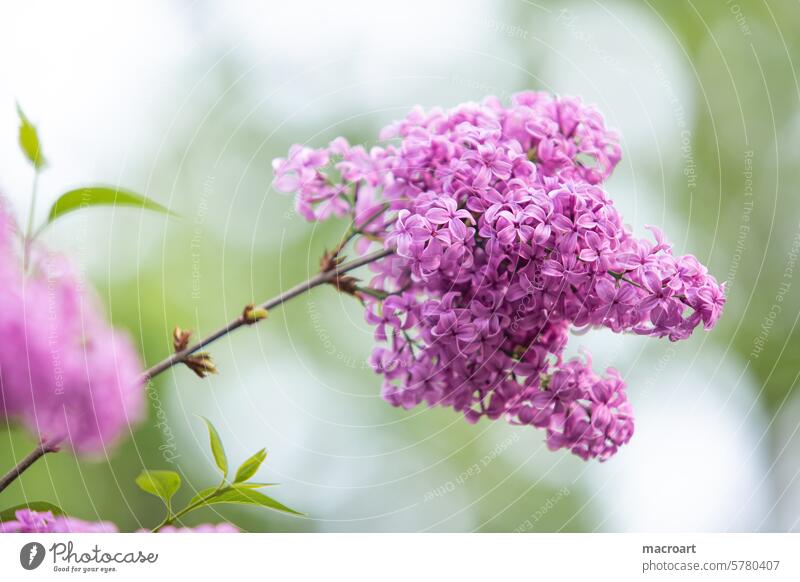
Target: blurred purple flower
(64,372)
(28,521)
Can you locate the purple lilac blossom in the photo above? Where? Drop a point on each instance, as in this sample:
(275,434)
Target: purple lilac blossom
(504,239)
(64,372)
(28,521)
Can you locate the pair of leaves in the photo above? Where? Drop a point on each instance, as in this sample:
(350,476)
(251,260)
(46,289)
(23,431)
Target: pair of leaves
(81,197)
(245,470)
(162,484)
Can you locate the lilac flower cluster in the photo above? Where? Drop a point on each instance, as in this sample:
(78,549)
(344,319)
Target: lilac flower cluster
(503,240)
(28,521)
(64,372)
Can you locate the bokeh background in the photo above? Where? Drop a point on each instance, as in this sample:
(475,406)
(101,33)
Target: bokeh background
(188,102)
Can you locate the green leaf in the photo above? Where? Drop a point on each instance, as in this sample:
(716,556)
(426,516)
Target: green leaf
(250,466)
(216,448)
(242,495)
(101,196)
(162,484)
(252,485)
(29,140)
(9,514)
(202,494)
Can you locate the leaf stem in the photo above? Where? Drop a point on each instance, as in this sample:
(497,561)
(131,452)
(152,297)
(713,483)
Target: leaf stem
(622,277)
(172,518)
(32,210)
(29,233)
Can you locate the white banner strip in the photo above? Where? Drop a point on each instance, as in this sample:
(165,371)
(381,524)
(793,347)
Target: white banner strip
(401,557)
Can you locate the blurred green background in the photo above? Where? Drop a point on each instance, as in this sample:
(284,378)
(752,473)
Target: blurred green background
(189,102)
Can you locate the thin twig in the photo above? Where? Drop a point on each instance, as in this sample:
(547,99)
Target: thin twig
(315,281)
(40,451)
(178,357)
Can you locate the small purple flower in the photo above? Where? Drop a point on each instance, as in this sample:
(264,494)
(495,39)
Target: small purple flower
(708,300)
(659,299)
(615,303)
(408,229)
(445,212)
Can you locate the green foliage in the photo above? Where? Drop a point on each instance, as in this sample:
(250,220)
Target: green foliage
(101,196)
(165,484)
(81,197)
(29,140)
(220,458)
(250,466)
(162,484)
(241,495)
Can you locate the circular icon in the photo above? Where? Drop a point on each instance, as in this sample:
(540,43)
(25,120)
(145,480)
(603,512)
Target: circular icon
(31,555)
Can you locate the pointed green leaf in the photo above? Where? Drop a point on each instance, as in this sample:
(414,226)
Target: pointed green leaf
(10,513)
(101,196)
(216,448)
(29,140)
(242,495)
(203,493)
(250,466)
(163,484)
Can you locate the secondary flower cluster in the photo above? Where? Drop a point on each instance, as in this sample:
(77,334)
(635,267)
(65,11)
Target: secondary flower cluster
(64,372)
(503,240)
(28,521)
